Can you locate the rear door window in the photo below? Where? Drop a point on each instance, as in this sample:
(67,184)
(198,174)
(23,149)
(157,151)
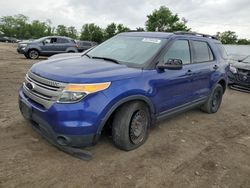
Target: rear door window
(53,40)
(62,41)
(202,52)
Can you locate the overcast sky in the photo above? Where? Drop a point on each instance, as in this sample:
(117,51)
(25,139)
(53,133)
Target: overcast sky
(207,16)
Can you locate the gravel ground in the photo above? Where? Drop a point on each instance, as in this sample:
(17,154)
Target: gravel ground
(193,149)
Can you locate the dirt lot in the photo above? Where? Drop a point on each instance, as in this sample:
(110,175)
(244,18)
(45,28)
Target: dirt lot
(193,149)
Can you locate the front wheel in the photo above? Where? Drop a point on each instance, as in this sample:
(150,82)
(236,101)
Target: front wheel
(214,101)
(33,54)
(131,125)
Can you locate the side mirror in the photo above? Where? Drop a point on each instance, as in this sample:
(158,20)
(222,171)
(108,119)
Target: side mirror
(172,64)
(43,42)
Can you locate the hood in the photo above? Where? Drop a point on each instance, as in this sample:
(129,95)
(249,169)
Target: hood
(239,65)
(83,70)
(65,55)
(26,42)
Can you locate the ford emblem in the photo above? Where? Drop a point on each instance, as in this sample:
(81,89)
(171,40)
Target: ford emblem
(30,85)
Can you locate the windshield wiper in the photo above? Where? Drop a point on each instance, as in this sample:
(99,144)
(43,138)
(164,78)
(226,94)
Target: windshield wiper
(106,59)
(87,55)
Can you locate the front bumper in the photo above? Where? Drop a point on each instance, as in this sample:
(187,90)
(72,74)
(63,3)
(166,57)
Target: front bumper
(21,50)
(237,82)
(64,126)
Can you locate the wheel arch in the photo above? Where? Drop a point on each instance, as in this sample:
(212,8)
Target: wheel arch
(223,83)
(34,49)
(120,103)
(71,49)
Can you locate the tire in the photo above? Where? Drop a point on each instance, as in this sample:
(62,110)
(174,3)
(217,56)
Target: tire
(214,101)
(131,126)
(33,54)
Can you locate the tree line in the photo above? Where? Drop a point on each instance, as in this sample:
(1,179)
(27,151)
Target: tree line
(163,19)
(230,37)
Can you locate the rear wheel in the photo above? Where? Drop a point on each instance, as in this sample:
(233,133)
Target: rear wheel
(33,54)
(214,101)
(131,125)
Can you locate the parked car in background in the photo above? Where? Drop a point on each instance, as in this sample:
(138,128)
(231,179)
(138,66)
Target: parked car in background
(69,55)
(124,85)
(239,74)
(9,39)
(47,46)
(84,45)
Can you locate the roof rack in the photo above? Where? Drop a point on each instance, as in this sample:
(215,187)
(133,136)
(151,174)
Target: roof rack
(195,34)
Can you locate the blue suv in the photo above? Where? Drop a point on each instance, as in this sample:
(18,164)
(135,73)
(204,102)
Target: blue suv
(124,85)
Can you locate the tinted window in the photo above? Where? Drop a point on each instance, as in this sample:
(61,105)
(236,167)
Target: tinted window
(61,40)
(53,40)
(179,50)
(202,52)
(86,44)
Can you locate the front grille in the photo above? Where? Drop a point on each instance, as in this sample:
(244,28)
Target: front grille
(244,72)
(41,90)
(243,76)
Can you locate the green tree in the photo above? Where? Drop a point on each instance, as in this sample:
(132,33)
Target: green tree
(14,26)
(113,29)
(37,29)
(62,30)
(140,29)
(21,26)
(243,42)
(92,32)
(164,20)
(110,30)
(72,32)
(121,28)
(227,37)
(7,25)
(50,28)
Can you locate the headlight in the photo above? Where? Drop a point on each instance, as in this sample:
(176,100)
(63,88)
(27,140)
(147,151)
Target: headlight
(232,69)
(75,92)
(23,45)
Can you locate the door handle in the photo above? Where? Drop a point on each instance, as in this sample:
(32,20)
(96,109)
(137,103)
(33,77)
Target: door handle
(215,67)
(189,73)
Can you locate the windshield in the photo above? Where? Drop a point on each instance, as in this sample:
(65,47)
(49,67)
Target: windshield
(41,39)
(128,49)
(246,60)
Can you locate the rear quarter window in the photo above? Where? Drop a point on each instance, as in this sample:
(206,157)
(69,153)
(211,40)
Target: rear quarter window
(222,51)
(86,44)
(202,52)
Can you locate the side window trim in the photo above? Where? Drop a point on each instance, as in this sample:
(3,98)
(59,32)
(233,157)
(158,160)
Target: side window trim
(209,48)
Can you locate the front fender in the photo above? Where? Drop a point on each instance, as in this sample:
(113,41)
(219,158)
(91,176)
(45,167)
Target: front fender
(118,101)
(71,49)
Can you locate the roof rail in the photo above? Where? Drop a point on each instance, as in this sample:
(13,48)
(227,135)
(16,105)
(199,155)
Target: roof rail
(195,34)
